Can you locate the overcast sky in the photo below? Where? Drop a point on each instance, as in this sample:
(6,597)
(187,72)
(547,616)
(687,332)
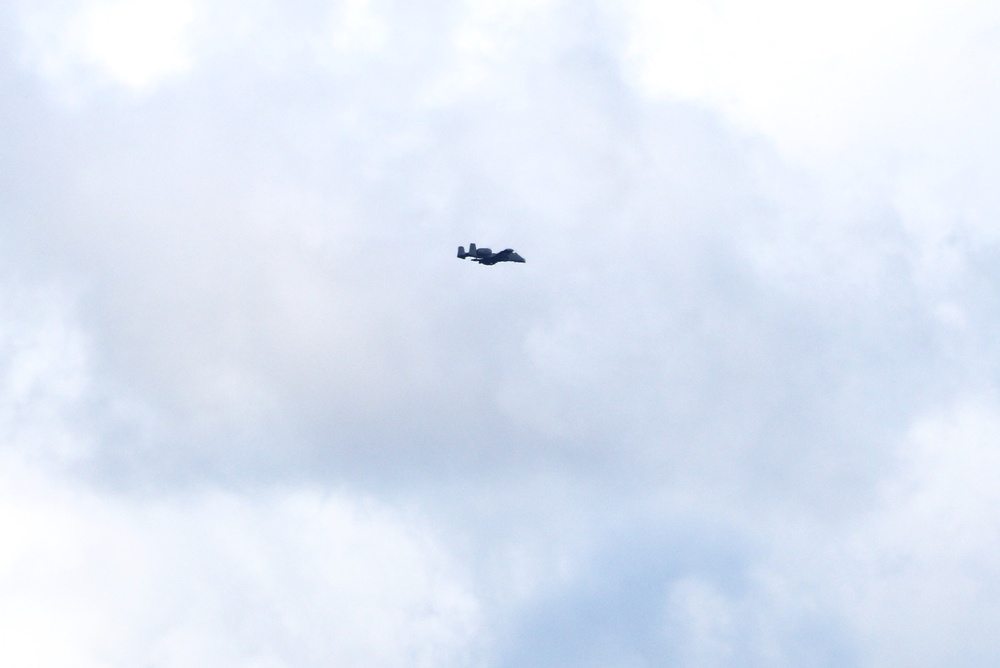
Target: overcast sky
(740,407)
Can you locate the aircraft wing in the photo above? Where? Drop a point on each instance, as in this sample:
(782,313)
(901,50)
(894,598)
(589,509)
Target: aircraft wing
(508,255)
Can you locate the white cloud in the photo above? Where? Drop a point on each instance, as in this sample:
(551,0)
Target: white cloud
(134,43)
(358,28)
(279,578)
(45,377)
(138,41)
(649,444)
(929,560)
(913,578)
(700,622)
(804,74)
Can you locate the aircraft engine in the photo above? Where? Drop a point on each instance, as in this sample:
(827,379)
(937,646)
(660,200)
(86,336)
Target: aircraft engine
(483,252)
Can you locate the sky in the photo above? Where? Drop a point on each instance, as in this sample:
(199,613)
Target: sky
(740,407)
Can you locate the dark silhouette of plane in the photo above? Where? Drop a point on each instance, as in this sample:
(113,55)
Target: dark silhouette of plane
(486,256)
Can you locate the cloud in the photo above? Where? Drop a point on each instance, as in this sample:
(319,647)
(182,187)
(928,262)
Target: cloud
(242,367)
(735,57)
(277,578)
(132,43)
(911,577)
(45,378)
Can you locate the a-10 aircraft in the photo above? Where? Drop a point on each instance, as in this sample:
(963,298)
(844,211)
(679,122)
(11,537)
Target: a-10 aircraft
(486,256)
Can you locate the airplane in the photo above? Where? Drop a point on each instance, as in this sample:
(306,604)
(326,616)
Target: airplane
(486,256)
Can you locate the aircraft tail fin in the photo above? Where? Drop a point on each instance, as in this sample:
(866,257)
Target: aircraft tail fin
(461,252)
(472,249)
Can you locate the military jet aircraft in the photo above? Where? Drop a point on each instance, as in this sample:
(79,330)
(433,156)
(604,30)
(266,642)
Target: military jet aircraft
(486,256)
